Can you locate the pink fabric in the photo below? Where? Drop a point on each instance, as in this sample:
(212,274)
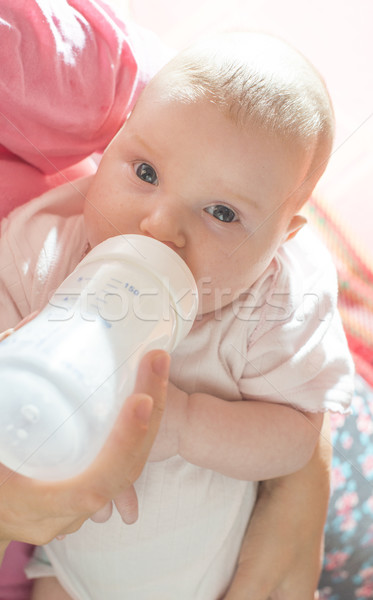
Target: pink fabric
(70,73)
(13,582)
(41,243)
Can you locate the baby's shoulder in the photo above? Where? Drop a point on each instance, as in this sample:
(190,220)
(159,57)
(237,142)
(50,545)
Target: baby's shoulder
(304,266)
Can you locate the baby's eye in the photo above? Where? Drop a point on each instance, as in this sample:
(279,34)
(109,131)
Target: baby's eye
(223,213)
(147,173)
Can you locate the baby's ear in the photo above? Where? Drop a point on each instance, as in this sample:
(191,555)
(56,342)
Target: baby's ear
(295,225)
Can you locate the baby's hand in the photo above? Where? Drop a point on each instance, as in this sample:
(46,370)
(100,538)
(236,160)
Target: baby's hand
(167,441)
(126,504)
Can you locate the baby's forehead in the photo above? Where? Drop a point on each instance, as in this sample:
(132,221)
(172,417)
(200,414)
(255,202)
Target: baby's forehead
(251,75)
(163,93)
(295,121)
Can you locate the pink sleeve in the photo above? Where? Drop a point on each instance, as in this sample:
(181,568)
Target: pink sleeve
(298,353)
(69,77)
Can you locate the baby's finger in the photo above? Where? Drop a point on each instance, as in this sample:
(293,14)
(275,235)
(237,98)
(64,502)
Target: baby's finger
(127,505)
(103,514)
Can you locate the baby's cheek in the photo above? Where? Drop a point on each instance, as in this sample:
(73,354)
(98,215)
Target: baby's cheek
(97,227)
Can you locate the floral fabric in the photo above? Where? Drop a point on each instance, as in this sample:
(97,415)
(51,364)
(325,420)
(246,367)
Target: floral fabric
(348,564)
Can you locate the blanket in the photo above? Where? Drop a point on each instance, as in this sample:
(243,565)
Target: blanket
(355,276)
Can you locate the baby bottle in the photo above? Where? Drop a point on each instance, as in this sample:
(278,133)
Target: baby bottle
(65,374)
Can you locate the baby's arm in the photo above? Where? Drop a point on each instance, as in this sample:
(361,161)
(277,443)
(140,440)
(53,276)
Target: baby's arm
(248,439)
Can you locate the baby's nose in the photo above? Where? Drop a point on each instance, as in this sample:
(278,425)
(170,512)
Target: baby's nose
(164,224)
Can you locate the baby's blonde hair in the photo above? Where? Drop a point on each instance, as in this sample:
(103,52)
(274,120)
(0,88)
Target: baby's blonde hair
(259,79)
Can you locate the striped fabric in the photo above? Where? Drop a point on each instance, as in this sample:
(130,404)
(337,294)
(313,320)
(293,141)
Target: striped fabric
(355,272)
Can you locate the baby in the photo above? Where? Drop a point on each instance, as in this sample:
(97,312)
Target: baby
(221,151)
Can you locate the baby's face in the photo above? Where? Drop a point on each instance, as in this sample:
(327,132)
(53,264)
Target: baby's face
(188,176)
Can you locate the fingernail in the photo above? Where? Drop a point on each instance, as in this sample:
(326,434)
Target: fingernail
(161,364)
(60,537)
(144,409)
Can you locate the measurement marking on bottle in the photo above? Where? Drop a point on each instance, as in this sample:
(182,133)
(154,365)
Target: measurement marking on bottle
(131,289)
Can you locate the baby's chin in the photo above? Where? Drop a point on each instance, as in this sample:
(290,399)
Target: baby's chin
(210,306)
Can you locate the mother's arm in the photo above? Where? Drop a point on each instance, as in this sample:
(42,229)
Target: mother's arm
(281,554)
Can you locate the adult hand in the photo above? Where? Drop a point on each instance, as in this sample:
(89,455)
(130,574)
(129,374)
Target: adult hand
(281,555)
(36,511)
